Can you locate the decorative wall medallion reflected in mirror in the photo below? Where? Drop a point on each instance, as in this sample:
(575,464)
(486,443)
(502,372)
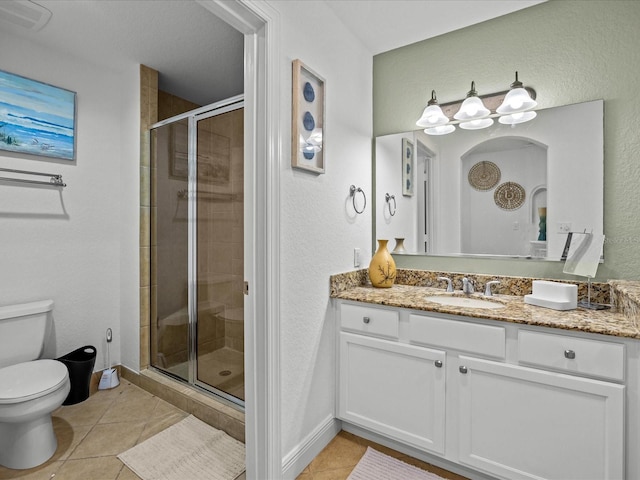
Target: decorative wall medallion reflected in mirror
(484,175)
(509,196)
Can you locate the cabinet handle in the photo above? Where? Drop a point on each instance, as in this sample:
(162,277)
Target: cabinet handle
(569,354)
(463,369)
(366,319)
(438,363)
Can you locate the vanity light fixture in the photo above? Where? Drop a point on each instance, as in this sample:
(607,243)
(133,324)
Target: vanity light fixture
(477,112)
(432,115)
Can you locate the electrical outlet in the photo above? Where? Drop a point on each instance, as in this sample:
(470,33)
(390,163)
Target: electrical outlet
(564,227)
(356,257)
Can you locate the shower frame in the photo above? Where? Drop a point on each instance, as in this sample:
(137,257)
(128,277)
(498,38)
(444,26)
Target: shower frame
(193,116)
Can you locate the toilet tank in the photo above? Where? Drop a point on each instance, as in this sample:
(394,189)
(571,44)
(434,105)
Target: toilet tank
(22,331)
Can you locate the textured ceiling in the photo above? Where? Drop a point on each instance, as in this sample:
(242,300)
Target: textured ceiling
(384,25)
(201,58)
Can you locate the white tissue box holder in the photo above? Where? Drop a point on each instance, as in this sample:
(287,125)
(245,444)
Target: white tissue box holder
(554,295)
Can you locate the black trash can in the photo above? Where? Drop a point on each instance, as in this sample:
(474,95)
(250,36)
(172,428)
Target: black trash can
(80,364)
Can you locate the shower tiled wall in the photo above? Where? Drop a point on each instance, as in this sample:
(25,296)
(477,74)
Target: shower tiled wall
(220,260)
(148,116)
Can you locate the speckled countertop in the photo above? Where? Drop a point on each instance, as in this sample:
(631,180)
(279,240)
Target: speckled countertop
(621,321)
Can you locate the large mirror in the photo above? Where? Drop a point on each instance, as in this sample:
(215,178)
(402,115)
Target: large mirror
(508,190)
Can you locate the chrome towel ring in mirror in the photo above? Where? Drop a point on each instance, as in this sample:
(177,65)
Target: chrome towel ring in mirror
(352,192)
(388,198)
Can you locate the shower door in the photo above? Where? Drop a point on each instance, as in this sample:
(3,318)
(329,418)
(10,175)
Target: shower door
(197,314)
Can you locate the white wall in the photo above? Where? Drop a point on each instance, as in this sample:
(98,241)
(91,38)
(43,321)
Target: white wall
(389,164)
(318,226)
(65,244)
(488,229)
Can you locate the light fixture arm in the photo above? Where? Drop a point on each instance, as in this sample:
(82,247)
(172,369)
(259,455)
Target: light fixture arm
(433,100)
(473,92)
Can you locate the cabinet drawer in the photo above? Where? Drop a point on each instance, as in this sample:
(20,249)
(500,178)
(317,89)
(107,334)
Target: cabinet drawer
(458,335)
(373,321)
(577,355)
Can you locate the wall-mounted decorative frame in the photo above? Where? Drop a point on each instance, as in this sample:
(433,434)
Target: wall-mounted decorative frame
(307,119)
(36,118)
(407,167)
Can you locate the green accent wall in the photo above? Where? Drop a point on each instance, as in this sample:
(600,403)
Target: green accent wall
(569,51)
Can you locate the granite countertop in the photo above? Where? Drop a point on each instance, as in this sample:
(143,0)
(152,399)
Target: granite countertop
(615,322)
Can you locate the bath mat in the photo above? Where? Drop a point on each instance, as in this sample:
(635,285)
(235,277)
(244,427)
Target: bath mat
(189,449)
(378,466)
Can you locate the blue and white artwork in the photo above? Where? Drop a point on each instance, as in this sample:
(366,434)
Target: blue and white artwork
(36,118)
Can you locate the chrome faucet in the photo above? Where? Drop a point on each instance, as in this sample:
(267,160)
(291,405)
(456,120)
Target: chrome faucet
(449,284)
(487,288)
(467,286)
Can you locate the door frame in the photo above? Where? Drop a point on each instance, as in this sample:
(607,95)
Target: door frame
(259,23)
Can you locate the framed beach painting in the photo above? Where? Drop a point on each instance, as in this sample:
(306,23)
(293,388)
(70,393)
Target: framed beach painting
(307,119)
(36,118)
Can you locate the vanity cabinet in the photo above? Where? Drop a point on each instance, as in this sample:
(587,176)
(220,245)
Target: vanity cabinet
(510,401)
(390,387)
(523,423)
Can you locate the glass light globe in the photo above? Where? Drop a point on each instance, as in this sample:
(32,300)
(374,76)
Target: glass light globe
(472,109)
(432,117)
(516,118)
(477,124)
(517,100)
(440,130)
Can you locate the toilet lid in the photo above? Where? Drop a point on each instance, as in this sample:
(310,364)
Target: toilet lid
(28,380)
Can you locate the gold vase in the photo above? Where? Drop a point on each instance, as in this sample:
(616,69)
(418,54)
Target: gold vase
(382,269)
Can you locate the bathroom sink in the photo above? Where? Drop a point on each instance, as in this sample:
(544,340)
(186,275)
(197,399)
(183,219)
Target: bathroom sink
(466,302)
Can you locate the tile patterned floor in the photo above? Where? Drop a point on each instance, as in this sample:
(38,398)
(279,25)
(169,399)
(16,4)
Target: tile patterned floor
(92,433)
(343,453)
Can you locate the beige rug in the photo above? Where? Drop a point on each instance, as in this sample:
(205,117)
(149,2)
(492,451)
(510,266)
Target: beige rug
(190,449)
(378,466)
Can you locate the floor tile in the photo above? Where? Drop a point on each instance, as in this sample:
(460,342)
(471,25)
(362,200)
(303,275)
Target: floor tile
(127,474)
(130,407)
(68,436)
(84,413)
(42,472)
(343,451)
(99,468)
(108,439)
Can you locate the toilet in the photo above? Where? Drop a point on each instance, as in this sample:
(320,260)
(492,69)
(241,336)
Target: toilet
(30,389)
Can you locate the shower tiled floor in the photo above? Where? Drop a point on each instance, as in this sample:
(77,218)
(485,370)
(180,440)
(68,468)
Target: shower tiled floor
(222,369)
(92,433)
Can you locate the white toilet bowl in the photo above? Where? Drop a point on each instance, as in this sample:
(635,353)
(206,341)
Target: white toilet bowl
(29,392)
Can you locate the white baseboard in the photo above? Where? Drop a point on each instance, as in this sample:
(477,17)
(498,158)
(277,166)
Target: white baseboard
(301,455)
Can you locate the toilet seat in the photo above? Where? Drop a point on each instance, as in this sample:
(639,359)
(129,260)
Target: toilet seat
(30,380)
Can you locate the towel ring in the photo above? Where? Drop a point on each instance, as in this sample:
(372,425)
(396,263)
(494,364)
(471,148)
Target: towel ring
(388,198)
(352,192)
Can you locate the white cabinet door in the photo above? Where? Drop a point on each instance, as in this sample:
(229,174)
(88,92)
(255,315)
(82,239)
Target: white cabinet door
(394,389)
(522,423)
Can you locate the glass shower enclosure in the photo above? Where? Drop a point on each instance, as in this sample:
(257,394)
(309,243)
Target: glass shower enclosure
(197,248)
